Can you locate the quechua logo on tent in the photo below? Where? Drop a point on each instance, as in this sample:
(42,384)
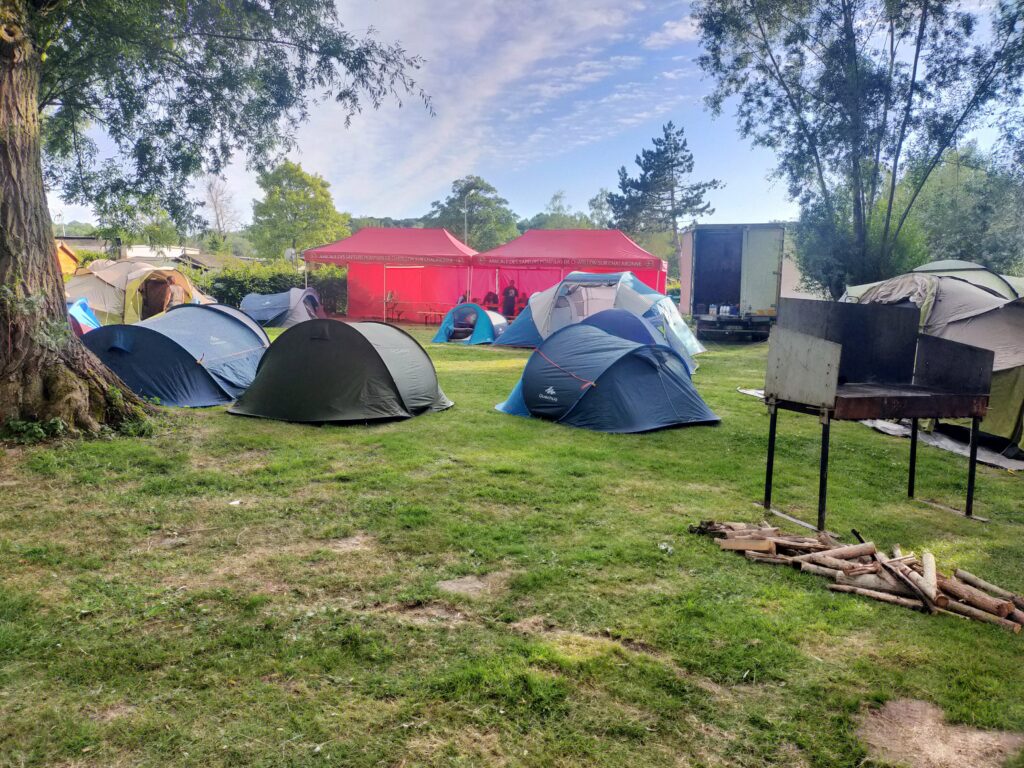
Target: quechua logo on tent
(549,394)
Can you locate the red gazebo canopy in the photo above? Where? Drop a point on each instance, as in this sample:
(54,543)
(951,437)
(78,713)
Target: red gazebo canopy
(573,249)
(395,245)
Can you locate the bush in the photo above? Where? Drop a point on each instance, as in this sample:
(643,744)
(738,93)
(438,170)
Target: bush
(230,286)
(86,257)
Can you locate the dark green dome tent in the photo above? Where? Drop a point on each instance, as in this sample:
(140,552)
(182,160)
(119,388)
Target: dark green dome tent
(329,371)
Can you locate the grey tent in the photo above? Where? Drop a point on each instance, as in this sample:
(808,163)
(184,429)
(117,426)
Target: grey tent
(283,310)
(329,371)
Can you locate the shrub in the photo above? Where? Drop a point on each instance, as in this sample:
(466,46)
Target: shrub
(230,286)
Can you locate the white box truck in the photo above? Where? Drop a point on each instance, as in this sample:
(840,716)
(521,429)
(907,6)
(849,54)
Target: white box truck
(731,277)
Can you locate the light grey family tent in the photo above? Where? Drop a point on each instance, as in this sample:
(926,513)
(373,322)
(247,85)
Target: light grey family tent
(283,310)
(325,370)
(192,355)
(582,294)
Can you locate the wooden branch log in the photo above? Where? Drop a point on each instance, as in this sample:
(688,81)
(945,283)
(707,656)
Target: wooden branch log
(928,571)
(897,553)
(1016,615)
(848,552)
(824,560)
(979,615)
(760,557)
(977,598)
(974,581)
(894,571)
(884,597)
(876,582)
(754,533)
(745,545)
(928,589)
(819,570)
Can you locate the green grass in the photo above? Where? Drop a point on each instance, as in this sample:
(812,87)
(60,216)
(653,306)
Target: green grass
(146,620)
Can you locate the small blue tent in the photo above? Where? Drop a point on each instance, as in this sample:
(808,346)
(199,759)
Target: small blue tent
(83,315)
(586,377)
(470,324)
(194,355)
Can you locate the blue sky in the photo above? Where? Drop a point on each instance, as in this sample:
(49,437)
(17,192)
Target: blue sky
(533,96)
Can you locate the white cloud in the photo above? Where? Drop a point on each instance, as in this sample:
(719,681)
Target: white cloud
(672,33)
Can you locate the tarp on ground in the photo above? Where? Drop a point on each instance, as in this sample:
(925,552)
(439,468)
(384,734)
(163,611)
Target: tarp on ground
(582,294)
(283,310)
(128,291)
(195,355)
(955,309)
(586,377)
(325,370)
(470,324)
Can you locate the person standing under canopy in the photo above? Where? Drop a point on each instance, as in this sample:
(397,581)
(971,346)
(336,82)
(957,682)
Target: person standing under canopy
(508,300)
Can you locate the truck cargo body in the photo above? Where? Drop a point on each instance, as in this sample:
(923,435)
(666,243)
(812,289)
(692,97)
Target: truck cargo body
(730,277)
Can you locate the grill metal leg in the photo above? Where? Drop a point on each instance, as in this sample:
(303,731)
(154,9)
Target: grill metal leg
(770,468)
(823,471)
(972,466)
(913,458)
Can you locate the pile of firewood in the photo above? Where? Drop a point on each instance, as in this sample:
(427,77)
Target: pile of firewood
(860,569)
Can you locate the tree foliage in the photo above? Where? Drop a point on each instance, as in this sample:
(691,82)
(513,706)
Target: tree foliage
(857,97)
(475,213)
(296,211)
(557,214)
(661,196)
(180,87)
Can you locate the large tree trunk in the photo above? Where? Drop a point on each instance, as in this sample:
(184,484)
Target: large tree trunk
(45,371)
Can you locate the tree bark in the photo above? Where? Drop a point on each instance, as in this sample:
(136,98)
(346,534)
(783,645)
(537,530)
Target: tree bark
(45,371)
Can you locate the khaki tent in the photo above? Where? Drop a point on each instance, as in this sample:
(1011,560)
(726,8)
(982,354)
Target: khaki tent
(1007,286)
(961,310)
(127,291)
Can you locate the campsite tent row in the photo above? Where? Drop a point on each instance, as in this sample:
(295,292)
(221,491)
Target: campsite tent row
(417,275)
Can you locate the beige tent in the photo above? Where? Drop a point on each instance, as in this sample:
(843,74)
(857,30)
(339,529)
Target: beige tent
(1007,286)
(961,310)
(127,291)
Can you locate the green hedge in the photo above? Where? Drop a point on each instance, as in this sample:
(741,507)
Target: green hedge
(231,285)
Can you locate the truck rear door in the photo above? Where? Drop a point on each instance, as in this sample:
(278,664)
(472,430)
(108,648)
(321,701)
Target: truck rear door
(762,265)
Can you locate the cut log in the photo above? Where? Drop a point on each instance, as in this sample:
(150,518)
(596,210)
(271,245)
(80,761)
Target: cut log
(753,533)
(897,553)
(974,581)
(831,562)
(929,590)
(747,545)
(803,545)
(820,570)
(877,582)
(979,615)
(848,552)
(1016,615)
(894,571)
(761,557)
(884,597)
(977,598)
(862,569)
(928,571)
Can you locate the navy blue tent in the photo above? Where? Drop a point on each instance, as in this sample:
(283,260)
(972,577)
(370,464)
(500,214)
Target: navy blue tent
(470,324)
(586,377)
(283,310)
(193,355)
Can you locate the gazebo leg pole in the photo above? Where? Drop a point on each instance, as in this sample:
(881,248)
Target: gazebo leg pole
(770,468)
(823,471)
(972,466)
(913,458)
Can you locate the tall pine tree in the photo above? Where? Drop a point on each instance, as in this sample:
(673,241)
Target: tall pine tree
(661,195)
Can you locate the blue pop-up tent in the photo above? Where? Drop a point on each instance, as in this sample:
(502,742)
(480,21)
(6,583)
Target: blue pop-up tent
(193,355)
(470,324)
(583,294)
(283,310)
(82,314)
(586,376)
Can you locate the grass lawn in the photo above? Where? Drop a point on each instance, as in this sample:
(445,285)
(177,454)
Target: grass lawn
(251,593)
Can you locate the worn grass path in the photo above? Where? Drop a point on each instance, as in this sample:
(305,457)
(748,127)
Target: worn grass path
(146,618)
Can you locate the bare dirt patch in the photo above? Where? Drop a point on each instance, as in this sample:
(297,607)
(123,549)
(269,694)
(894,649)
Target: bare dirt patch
(426,614)
(115,712)
(914,733)
(476,586)
(361,542)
